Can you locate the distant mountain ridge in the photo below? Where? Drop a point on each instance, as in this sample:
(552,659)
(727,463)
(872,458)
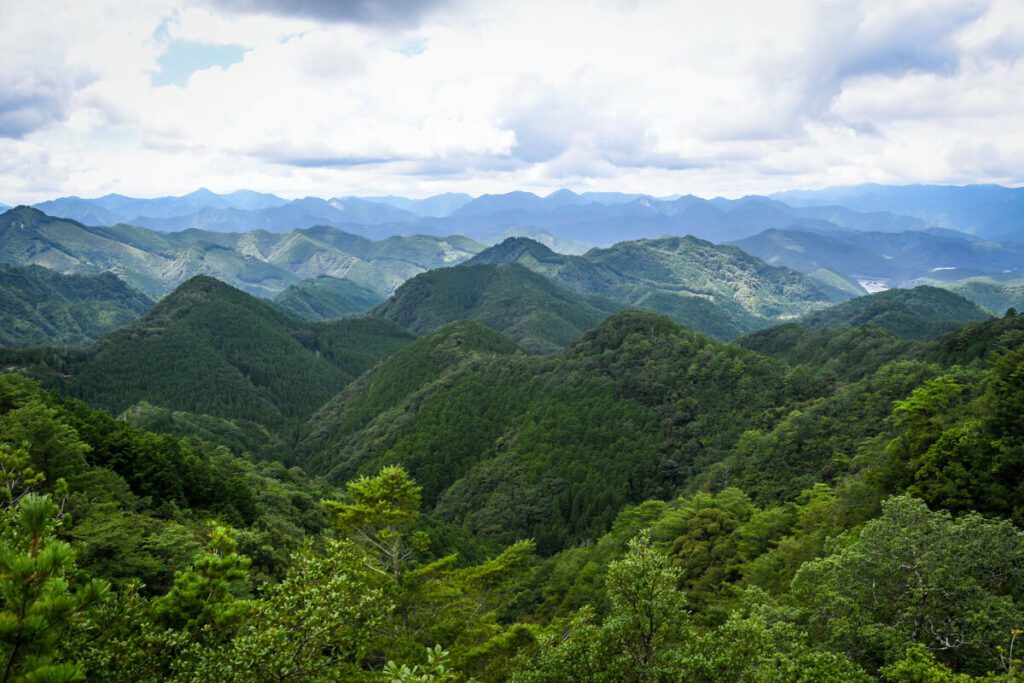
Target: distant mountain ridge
(259,262)
(990,211)
(887,260)
(897,257)
(718,290)
(600,218)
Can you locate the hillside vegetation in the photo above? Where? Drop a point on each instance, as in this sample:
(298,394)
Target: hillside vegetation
(213,350)
(41,307)
(713,289)
(912,313)
(744,507)
(535,312)
(325,298)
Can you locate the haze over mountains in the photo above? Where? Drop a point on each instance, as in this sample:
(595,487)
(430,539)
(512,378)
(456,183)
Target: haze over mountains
(989,211)
(597,218)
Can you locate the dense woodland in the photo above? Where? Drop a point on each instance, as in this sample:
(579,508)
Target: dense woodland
(220,492)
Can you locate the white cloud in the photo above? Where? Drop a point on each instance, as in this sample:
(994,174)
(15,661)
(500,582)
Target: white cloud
(662,97)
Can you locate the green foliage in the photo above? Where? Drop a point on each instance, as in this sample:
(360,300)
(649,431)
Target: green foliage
(647,609)
(647,615)
(551,448)
(994,295)
(243,437)
(380,512)
(39,306)
(702,511)
(433,671)
(316,624)
(139,498)
(210,349)
(39,605)
(915,576)
(388,384)
(208,597)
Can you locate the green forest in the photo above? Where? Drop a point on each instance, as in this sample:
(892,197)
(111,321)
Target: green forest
(220,492)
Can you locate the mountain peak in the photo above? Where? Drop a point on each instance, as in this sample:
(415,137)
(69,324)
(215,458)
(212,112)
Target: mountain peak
(611,332)
(512,249)
(198,288)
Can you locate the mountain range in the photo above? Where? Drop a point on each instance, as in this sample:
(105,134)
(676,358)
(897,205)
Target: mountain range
(989,211)
(871,261)
(535,312)
(596,218)
(718,290)
(259,262)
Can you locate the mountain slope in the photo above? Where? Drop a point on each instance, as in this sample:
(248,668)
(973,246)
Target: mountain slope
(43,307)
(535,312)
(994,295)
(208,348)
(548,447)
(393,381)
(909,313)
(30,237)
(718,290)
(259,262)
(325,298)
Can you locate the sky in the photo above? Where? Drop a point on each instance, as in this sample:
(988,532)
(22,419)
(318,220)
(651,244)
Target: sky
(333,98)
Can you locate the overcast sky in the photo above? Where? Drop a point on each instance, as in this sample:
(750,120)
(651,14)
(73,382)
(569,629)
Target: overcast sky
(331,98)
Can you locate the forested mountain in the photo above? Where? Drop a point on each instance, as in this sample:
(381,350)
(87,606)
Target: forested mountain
(385,388)
(745,506)
(717,290)
(888,259)
(551,447)
(210,349)
(41,307)
(994,295)
(912,313)
(258,262)
(283,499)
(537,313)
(326,298)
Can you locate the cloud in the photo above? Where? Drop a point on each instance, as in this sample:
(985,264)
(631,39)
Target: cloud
(411,98)
(387,12)
(32,101)
(37,82)
(893,41)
